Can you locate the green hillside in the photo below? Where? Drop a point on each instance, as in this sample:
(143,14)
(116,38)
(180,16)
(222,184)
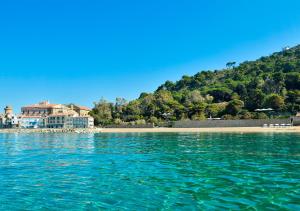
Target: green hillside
(231,93)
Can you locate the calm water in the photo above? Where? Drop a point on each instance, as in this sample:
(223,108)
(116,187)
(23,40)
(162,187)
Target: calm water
(150,171)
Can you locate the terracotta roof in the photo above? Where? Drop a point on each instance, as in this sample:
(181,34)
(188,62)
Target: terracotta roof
(83,108)
(41,106)
(44,105)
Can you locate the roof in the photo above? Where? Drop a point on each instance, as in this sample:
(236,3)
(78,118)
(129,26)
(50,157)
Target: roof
(42,106)
(264,109)
(83,107)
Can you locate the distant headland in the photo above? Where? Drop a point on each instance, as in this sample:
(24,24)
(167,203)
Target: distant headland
(268,88)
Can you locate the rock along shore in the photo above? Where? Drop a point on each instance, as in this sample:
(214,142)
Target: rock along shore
(51,130)
(159,130)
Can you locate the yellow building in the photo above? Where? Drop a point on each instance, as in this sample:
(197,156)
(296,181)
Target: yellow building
(58,115)
(44,109)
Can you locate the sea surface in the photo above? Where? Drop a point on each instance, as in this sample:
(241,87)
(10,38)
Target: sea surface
(150,171)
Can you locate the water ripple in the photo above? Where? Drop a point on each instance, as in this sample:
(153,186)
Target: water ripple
(150,171)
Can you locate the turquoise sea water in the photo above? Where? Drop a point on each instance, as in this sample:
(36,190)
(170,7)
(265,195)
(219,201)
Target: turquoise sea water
(184,171)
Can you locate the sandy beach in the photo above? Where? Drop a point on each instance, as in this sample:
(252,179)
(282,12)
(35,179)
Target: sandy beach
(202,130)
(160,130)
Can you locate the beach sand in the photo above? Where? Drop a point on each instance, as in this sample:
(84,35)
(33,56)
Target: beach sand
(160,130)
(202,130)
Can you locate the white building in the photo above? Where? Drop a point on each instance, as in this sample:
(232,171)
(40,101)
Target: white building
(32,122)
(65,121)
(9,119)
(47,115)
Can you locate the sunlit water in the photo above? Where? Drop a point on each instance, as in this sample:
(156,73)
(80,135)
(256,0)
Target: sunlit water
(150,171)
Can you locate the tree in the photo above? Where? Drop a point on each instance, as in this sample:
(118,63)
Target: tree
(261,116)
(234,107)
(271,81)
(102,112)
(241,90)
(292,80)
(193,97)
(274,101)
(119,107)
(198,109)
(168,85)
(120,102)
(246,115)
(220,94)
(293,100)
(132,112)
(153,120)
(230,64)
(293,97)
(228,117)
(255,99)
(215,109)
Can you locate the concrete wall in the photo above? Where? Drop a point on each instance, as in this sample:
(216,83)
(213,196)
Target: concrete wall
(131,126)
(296,121)
(228,123)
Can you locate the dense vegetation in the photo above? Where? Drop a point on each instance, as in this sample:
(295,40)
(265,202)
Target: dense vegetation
(232,93)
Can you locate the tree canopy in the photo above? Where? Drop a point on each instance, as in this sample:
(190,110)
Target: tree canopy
(233,92)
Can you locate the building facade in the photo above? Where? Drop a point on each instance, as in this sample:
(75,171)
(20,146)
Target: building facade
(9,119)
(46,115)
(64,121)
(32,122)
(44,109)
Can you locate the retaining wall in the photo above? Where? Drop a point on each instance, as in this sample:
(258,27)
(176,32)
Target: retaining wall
(229,123)
(296,121)
(131,126)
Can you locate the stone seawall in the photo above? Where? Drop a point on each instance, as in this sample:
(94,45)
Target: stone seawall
(131,126)
(228,123)
(48,130)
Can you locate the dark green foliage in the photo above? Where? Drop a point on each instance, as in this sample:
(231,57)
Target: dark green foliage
(292,80)
(274,101)
(234,107)
(234,92)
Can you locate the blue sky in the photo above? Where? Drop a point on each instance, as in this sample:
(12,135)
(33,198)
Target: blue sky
(79,51)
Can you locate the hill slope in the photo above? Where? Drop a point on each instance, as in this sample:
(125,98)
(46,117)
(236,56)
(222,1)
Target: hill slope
(235,92)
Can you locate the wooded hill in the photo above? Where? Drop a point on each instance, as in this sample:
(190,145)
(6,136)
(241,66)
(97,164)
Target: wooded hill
(234,92)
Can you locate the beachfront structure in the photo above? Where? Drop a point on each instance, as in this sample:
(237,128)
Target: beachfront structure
(83,122)
(44,109)
(46,115)
(9,119)
(32,122)
(65,121)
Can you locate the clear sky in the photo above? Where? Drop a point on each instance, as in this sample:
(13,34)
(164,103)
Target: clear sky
(81,50)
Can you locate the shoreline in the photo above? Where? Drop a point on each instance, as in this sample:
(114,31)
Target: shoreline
(204,130)
(295,129)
